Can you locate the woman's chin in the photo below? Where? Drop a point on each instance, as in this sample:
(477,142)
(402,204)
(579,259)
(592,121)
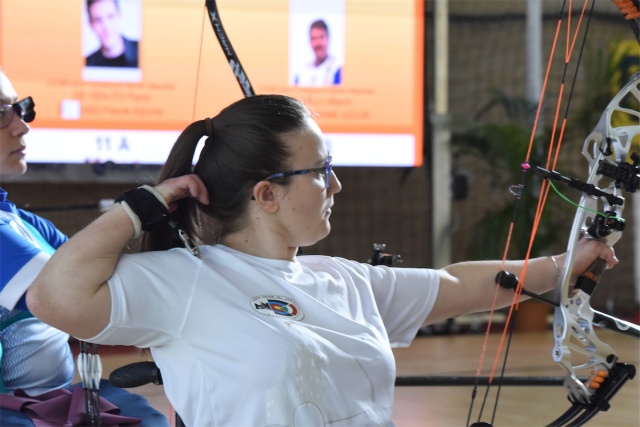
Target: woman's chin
(320,235)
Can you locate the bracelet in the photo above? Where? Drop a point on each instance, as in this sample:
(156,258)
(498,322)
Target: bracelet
(555,263)
(145,206)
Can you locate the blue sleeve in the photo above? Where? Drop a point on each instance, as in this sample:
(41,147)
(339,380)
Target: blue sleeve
(47,230)
(15,253)
(21,259)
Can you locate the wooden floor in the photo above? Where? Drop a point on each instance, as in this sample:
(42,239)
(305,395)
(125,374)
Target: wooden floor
(458,355)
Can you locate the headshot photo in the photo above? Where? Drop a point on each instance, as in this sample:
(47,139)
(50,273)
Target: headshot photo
(111,34)
(115,49)
(316,44)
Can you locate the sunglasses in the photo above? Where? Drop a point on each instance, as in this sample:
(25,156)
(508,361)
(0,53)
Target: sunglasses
(23,108)
(326,168)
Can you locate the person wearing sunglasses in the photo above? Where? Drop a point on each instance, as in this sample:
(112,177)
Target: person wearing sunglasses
(35,357)
(245,331)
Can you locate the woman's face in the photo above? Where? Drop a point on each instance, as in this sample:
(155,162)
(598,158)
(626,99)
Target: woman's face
(306,204)
(12,146)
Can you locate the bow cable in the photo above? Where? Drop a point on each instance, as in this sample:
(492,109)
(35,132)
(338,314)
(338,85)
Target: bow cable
(508,328)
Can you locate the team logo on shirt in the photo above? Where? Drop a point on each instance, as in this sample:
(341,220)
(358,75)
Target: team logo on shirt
(277,306)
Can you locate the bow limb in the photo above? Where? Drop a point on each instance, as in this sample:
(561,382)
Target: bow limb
(631,11)
(576,345)
(227,48)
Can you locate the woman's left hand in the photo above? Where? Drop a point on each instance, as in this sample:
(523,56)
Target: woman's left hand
(589,250)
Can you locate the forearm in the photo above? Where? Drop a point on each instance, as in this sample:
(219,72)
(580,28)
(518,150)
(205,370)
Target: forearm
(470,287)
(538,275)
(70,292)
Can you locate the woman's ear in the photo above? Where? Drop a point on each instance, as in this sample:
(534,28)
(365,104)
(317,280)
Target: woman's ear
(265,197)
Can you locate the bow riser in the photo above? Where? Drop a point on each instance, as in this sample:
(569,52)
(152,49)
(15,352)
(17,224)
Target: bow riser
(573,318)
(573,324)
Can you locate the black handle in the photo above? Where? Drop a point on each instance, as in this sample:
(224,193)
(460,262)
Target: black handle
(136,375)
(588,281)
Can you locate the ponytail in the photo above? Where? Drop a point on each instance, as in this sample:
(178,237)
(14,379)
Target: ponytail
(179,163)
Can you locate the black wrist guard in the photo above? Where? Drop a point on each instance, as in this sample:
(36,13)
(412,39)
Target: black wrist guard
(145,204)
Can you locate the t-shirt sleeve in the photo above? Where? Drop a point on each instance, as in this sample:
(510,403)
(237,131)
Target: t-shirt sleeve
(150,297)
(21,263)
(404,296)
(47,230)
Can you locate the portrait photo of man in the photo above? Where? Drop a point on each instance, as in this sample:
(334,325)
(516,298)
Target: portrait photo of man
(325,69)
(115,49)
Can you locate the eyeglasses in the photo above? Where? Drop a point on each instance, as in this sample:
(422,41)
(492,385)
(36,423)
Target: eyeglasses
(326,169)
(23,108)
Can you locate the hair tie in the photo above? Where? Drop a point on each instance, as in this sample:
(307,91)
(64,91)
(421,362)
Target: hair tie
(209,124)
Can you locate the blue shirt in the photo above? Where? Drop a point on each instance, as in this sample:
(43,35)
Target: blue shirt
(26,243)
(34,356)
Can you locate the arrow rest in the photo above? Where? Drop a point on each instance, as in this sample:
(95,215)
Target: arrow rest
(604,225)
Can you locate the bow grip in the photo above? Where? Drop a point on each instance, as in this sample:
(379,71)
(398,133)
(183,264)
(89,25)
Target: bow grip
(588,280)
(135,375)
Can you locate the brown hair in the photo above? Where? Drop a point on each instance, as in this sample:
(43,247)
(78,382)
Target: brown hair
(244,145)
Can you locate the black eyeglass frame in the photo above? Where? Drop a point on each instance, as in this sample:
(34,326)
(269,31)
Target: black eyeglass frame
(23,108)
(327,168)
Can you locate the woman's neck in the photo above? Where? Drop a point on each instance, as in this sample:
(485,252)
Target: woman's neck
(272,248)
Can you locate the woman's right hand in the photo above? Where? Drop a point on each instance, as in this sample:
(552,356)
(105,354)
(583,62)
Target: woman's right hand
(174,189)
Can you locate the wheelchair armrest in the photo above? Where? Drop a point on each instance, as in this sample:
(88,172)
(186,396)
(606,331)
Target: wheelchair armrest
(135,375)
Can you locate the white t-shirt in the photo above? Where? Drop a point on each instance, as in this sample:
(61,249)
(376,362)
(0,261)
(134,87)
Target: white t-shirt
(248,341)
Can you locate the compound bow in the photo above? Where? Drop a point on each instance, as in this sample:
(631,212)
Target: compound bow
(599,215)
(607,150)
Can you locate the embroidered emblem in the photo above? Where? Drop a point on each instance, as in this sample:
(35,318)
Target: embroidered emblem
(277,306)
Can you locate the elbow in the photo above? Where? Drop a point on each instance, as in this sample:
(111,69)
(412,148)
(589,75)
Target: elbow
(34,299)
(70,312)
(41,301)
(44,304)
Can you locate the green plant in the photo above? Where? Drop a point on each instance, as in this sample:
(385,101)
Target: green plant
(504,147)
(499,136)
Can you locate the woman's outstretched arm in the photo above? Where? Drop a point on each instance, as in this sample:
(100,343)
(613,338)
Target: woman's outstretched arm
(469,287)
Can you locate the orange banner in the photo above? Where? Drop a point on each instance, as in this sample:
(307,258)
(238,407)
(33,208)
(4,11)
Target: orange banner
(182,75)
